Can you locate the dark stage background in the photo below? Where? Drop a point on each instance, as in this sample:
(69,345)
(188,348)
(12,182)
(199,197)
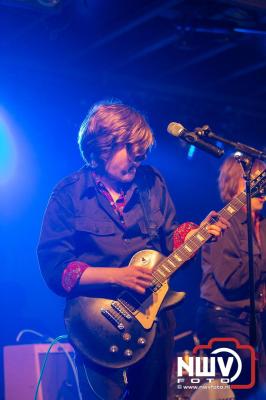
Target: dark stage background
(193,62)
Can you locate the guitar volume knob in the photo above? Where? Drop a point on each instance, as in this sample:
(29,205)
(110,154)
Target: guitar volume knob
(128,353)
(126,336)
(141,341)
(113,349)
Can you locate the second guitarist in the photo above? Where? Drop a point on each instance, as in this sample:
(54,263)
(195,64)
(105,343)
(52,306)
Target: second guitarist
(224,309)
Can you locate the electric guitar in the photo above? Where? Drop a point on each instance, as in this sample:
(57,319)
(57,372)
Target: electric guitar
(118,329)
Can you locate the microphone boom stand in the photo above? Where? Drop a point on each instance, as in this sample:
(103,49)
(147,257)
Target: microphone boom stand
(247,164)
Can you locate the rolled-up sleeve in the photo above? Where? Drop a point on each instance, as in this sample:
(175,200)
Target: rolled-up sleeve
(181,232)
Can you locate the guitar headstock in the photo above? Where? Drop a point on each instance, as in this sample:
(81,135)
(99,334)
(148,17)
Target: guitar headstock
(258,185)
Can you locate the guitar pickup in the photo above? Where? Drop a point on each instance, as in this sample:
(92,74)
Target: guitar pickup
(119,325)
(118,307)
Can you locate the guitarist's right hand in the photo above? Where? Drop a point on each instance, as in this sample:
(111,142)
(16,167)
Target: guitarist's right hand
(137,278)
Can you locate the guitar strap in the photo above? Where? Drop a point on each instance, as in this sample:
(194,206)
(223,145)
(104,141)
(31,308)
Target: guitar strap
(145,201)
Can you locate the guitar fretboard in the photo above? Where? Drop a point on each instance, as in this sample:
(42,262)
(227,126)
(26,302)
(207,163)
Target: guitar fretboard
(172,263)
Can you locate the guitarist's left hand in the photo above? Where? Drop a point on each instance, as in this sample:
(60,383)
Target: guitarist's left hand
(215,229)
(218,227)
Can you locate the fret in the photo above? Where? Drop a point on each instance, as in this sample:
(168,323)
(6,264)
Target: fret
(230,209)
(236,201)
(203,232)
(164,271)
(242,197)
(154,280)
(163,276)
(187,248)
(155,275)
(170,264)
(165,267)
(225,214)
(160,272)
(194,243)
(185,254)
(200,237)
(177,257)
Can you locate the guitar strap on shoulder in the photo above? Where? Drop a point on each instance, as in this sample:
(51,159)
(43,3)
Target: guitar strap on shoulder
(145,200)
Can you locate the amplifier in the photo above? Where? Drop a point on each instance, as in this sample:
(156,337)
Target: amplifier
(22,367)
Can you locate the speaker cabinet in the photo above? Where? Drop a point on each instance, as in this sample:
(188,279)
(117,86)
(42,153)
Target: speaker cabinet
(22,367)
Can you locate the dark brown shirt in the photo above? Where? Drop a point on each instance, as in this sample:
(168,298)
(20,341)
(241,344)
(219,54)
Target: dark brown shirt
(225,280)
(81,225)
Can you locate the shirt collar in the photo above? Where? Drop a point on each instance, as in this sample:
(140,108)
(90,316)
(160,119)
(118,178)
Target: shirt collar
(91,180)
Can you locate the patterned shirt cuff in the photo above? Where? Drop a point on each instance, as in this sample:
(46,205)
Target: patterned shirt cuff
(181,232)
(72,274)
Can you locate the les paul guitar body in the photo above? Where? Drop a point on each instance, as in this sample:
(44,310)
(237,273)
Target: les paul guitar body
(116,331)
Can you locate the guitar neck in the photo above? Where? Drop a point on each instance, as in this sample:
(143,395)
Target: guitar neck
(164,270)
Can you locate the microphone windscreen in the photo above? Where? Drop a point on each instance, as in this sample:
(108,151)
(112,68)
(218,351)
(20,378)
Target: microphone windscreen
(175,129)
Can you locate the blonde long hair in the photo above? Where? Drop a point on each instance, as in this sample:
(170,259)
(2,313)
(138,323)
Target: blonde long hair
(230,174)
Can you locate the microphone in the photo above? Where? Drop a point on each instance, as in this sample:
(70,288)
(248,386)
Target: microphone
(193,139)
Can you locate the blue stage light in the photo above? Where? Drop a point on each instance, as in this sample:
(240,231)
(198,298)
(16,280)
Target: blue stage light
(17,167)
(7,151)
(191,152)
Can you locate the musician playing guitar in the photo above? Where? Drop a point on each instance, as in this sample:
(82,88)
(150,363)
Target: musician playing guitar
(96,220)
(225,303)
